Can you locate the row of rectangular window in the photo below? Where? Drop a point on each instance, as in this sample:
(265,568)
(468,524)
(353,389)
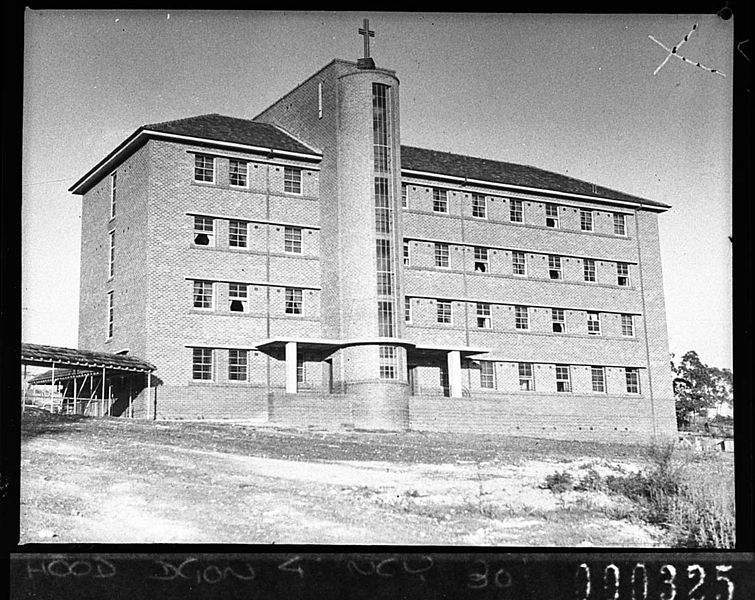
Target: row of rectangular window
(563,378)
(238,297)
(484,320)
(204,365)
(516,211)
(519,264)
(238,234)
(238,173)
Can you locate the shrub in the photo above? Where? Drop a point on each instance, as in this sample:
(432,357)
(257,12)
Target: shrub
(559,482)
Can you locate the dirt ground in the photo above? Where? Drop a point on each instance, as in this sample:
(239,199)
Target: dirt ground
(124,481)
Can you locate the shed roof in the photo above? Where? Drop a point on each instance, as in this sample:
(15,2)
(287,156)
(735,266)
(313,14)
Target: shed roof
(71,357)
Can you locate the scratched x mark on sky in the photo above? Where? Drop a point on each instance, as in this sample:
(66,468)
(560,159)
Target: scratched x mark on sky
(673,52)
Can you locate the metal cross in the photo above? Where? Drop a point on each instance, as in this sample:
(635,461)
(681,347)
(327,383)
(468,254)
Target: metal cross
(365,31)
(673,52)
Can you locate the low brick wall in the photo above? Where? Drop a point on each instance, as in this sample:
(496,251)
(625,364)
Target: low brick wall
(211,402)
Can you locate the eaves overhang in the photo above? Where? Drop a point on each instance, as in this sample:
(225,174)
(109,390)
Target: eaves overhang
(142,135)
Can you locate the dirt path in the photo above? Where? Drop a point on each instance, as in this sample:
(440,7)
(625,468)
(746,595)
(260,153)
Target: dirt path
(82,486)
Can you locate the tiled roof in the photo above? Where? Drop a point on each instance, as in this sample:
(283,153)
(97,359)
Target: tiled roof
(40,354)
(230,129)
(457,165)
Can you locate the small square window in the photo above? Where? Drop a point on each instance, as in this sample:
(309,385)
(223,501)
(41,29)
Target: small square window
(204,231)
(516,212)
(237,173)
(293,301)
(444,312)
(204,168)
(292,180)
(292,240)
(440,200)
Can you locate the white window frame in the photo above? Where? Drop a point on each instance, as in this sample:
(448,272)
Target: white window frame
(200,294)
(440,201)
(593,323)
(514,255)
(238,292)
(481,259)
(516,211)
(555,266)
(565,381)
(113,192)
(586,220)
(561,321)
(526,376)
(407,310)
(521,318)
(601,380)
(487,375)
(244,227)
(484,315)
(111,254)
(243,173)
(589,272)
(620,224)
(632,380)
(442,313)
(479,205)
(200,228)
(627,324)
(388,362)
(294,301)
(198,360)
(292,178)
(407,254)
(292,240)
(442,255)
(554,218)
(110,328)
(202,169)
(620,266)
(404,195)
(238,365)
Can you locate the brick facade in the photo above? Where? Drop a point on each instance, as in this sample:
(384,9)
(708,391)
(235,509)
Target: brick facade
(211,273)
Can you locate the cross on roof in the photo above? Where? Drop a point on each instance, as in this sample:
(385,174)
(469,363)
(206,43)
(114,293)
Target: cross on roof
(365,31)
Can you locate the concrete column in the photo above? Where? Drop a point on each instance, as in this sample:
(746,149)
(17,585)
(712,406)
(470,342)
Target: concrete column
(454,373)
(291,368)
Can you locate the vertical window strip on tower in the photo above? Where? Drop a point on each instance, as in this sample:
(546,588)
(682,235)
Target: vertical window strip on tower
(388,362)
(380,127)
(113,188)
(385,318)
(110,314)
(383,212)
(111,254)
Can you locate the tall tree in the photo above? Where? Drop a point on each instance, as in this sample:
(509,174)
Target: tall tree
(699,387)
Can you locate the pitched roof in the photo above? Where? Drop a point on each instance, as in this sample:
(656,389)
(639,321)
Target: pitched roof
(41,354)
(231,129)
(457,165)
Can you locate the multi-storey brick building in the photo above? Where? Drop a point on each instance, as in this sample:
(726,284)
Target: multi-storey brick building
(305,267)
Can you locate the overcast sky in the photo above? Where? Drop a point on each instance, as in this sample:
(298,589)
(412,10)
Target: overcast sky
(573,94)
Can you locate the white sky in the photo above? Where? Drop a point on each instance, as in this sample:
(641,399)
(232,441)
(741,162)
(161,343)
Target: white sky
(574,94)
